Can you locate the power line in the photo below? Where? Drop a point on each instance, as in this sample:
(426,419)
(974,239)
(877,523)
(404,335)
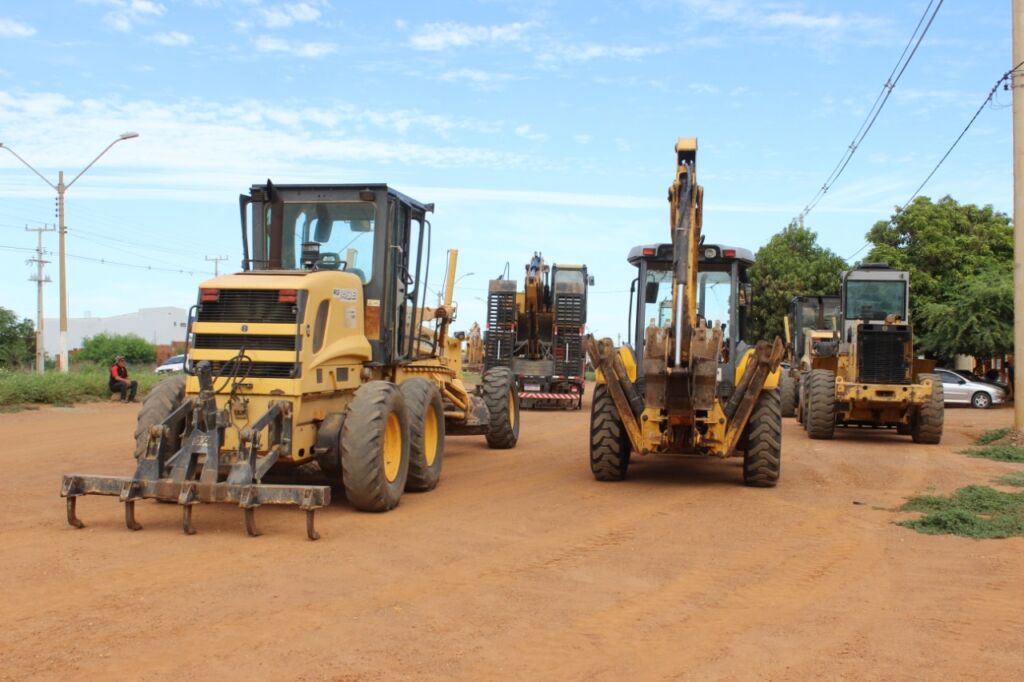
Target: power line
(876,108)
(107,261)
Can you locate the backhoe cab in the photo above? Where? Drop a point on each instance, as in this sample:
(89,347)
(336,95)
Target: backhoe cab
(690,384)
(322,350)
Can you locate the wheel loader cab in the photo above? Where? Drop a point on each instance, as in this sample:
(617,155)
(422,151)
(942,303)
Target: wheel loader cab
(875,332)
(723,295)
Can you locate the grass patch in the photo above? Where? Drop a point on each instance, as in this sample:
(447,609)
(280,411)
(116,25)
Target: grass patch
(472,378)
(82,384)
(976,511)
(992,436)
(1013,480)
(1001,453)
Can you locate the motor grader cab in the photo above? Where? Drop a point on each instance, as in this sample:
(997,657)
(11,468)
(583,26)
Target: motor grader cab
(812,330)
(690,384)
(537,332)
(321,350)
(873,378)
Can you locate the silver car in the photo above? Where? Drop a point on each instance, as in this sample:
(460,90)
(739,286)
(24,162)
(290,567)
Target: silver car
(960,391)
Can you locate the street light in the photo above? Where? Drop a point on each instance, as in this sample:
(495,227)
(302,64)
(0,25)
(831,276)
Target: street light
(61,188)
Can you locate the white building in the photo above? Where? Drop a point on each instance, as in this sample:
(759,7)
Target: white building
(156,325)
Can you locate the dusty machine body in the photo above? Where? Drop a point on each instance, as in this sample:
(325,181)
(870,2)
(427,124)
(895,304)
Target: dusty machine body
(321,350)
(872,378)
(812,330)
(537,332)
(690,383)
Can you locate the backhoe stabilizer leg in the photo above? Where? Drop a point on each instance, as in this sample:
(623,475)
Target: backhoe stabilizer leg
(604,356)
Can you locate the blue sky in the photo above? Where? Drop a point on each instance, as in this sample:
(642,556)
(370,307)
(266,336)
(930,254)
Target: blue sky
(533,126)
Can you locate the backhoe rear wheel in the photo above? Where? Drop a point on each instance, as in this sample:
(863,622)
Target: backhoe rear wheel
(821,407)
(926,424)
(426,433)
(164,399)
(787,394)
(609,442)
(762,460)
(375,447)
(502,400)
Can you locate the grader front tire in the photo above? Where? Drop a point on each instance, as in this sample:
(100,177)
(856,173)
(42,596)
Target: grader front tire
(926,424)
(426,433)
(609,442)
(375,447)
(502,400)
(787,394)
(762,460)
(821,409)
(164,399)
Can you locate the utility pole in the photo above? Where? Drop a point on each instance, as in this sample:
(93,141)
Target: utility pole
(216,262)
(1017,82)
(39,279)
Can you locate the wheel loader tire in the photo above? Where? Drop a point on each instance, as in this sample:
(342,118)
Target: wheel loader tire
(821,410)
(787,394)
(164,399)
(926,424)
(426,433)
(609,442)
(762,460)
(804,399)
(375,447)
(502,400)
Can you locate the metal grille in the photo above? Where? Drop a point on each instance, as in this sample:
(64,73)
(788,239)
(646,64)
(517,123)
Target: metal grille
(501,309)
(881,357)
(247,305)
(498,347)
(500,341)
(568,352)
(569,310)
(250,341)
(259,370)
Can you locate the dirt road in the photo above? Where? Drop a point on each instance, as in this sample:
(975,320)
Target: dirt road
(518,565)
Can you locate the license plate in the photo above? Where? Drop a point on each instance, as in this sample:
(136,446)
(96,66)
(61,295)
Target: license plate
(531,387)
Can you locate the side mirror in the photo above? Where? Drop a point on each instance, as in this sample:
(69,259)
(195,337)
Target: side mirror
(590,280)
(651,292)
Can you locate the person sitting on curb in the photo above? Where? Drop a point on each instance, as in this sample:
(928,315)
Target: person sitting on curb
(119,381)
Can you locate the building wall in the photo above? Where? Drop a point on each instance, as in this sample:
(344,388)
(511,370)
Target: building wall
(160,326)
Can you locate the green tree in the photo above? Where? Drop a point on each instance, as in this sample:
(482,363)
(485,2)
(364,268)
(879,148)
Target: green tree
(975,319)
(17,341)
(103,348)
(790,264)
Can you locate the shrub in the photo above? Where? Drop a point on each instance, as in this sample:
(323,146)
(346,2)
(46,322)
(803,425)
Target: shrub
(103,348)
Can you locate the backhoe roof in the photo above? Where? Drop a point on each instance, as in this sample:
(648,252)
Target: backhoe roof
(664,253)
(378,186)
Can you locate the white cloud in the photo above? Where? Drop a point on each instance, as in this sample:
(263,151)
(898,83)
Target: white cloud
(704,88)
(300,49)
(173,39)
(129,13)
(804,21)
(440,36)
(585,53)
(9,28)
(286,15)
(527,132)
(582,138)
(477,77)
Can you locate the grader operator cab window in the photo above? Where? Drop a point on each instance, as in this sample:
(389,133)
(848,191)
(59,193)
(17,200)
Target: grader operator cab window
(875,299)
(329,236)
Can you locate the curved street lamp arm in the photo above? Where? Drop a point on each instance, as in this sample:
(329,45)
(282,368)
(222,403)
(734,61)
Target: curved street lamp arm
(82,172)
(28,165)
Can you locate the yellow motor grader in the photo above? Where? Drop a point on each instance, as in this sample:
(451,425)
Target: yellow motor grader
(321,350)
(690,383)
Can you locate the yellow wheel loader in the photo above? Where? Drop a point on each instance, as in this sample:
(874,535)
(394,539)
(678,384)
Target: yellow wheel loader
(321,354)
(690,383)
(811,330)
(870,377)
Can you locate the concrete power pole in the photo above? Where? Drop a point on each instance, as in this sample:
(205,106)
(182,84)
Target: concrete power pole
(216,262)
(39,279)
(1017,82)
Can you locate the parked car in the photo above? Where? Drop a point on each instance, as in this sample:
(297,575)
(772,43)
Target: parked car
(173,365)
(971,376)
(961,391)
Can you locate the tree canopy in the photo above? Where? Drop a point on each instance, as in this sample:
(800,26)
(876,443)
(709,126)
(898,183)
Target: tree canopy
(17,341)
(790,264)
(103,348)
(975,319)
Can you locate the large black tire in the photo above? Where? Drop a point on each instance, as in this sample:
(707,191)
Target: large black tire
(426,433)
(787,393)
(804,399)
(762,460)
(502,400)
(164,399)
(926,424)
(821,408)
(375,447)
(609,442)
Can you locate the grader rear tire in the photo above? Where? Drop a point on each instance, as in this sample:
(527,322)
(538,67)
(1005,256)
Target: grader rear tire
(502,400)
(926,424)
(762,459)
(787,394)
(375,447)
(426,433)
(609,442)
(164,399)
(821,409)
